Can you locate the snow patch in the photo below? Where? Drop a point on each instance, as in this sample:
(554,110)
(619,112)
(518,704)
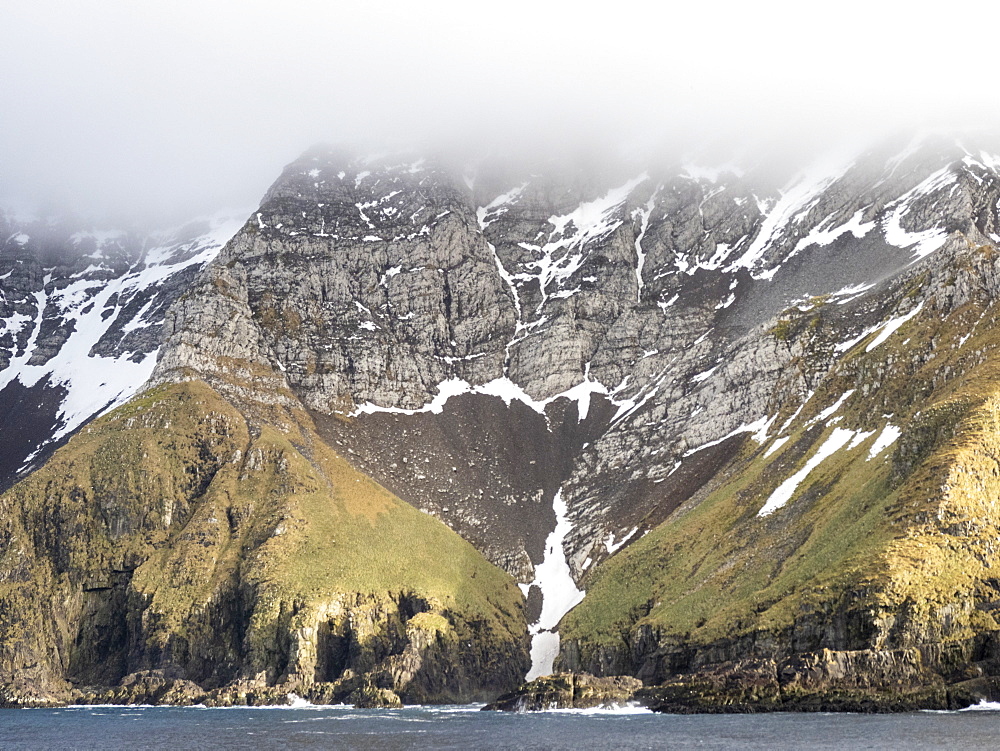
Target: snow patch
(729,301)
(796,200)
(704,375)
(503,388)
(758,427)
(640,254)
(96,384)
(832,409)
(784,492)
(778,443)
(889,327)
(851,292)
(890,433)
(612,547)
(664,305)
(926,241)
(590,220)
(819,236)
(498,206)
(860,437)
(562,254)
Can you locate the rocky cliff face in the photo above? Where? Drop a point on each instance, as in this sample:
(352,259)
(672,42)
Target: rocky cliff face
(859,532)
(726,412)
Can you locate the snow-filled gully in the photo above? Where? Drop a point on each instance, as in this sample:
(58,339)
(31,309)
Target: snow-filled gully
(559,594)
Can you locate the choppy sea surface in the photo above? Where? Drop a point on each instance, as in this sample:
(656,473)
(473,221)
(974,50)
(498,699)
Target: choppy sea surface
(465,727)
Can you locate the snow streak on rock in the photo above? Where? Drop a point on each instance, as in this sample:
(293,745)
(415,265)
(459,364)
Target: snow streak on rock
(890,433)
(503,388)
(566,251)
(559,594)
(890,327)
(784,492)
(640,254)
(795,202)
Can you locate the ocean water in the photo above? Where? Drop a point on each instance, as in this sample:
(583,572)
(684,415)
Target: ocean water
(464,727)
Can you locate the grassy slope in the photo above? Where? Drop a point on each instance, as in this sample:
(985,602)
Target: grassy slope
(911,530)
(175,486)
(328,528)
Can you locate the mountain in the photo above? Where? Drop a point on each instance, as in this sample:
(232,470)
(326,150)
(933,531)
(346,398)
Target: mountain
(415,430)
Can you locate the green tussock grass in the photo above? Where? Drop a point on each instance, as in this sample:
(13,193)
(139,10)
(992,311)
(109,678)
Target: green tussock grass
(345,533)
(718,570)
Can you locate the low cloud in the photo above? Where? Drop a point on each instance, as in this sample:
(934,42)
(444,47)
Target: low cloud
(166,110)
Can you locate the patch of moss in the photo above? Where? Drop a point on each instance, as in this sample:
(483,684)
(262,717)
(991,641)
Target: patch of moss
(782,330)
(429,622)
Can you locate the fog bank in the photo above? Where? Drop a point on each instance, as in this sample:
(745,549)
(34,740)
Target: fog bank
(121,109)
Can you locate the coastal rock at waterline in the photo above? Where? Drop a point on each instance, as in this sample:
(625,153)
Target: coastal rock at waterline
(369,696)
(743,686)
(569,691)
(148,687)
(823,681)
(351,689)
(25,692)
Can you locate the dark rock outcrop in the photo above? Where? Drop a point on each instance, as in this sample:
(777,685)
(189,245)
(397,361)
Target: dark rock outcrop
(147,687)
(569,691)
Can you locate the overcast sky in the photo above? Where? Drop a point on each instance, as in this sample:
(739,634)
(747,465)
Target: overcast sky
(187,106)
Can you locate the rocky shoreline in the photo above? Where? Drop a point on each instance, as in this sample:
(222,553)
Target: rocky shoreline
(169,688)
(741,687)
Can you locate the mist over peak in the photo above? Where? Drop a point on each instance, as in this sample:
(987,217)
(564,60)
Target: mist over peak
(120,110)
